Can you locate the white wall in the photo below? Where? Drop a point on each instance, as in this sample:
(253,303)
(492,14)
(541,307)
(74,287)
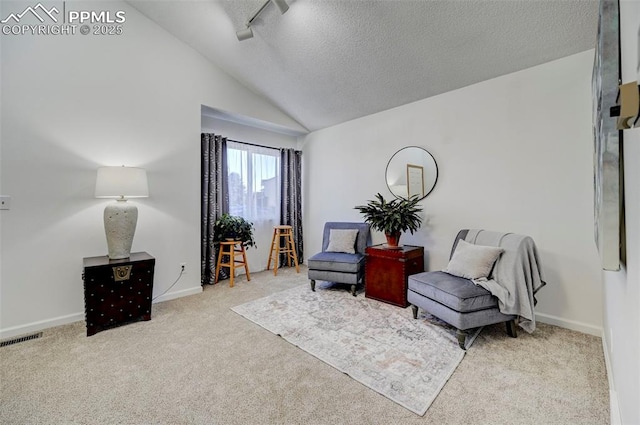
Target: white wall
(514,154)
(622,289)
(246,133)
(73,103)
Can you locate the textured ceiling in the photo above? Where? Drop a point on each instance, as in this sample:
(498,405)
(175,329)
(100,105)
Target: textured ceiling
(329,61)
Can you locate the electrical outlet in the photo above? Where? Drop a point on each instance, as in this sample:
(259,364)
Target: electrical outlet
(183,267)
(5,202)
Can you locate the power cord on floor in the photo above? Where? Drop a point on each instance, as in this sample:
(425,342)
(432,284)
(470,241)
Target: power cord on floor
(172,285)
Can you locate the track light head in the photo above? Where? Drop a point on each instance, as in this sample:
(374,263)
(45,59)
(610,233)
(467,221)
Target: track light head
(244,34)
(281,5)
(248,32)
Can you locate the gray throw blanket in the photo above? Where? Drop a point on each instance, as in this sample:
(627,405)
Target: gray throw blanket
(516,276)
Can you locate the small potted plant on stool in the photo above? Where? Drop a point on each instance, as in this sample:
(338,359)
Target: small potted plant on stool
(228,232)
(233,228)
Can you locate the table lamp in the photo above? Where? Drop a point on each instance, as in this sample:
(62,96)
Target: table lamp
(120,217)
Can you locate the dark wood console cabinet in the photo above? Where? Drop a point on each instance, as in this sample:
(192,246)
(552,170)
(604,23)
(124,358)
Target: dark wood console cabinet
(387,271)
(117,292)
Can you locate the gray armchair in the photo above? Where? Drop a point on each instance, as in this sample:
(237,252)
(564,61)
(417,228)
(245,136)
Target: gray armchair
(332,265)
(465,305)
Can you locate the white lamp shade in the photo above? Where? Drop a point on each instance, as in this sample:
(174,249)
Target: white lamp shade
(122,182)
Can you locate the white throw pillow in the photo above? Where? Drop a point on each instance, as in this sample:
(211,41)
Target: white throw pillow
(473,261)
(342,240)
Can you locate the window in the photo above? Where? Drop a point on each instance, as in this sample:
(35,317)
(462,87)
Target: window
(254,182)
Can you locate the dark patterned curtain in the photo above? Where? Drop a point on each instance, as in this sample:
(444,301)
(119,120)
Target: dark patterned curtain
(215,201)
(291,195)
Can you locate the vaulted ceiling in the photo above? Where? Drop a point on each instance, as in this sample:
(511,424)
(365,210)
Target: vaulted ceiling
(325,62)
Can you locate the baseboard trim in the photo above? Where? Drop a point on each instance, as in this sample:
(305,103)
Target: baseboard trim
(615,409)
(178,294)
(569,324)
(613,395)
(40,325)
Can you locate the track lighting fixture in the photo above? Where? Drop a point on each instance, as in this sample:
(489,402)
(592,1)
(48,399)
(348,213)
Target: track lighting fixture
(281,5)
(247,32)
(244,34)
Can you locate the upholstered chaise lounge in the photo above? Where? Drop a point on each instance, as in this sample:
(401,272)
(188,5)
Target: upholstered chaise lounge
(343,255)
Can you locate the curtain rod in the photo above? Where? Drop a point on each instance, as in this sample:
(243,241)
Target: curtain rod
(253,144)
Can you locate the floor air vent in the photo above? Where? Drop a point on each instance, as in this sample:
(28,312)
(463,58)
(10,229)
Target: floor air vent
(20,339)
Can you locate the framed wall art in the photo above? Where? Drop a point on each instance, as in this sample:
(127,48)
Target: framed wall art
(607,158)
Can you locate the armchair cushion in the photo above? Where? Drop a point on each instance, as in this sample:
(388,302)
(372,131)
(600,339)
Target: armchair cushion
(457,293)
(473,261)
(336,261)
(342,240)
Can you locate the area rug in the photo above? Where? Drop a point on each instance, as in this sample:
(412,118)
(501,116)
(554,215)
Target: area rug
(380,345)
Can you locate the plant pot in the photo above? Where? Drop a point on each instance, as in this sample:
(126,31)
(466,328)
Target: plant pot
(393,239)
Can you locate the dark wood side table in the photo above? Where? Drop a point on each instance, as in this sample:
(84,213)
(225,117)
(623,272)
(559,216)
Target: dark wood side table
(117,292)
(387,271)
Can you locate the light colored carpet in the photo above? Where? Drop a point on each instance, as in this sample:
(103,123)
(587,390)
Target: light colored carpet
(198,362)
(377,344)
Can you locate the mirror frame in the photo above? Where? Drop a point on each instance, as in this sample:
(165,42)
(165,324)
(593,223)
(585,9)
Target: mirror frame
(427,158)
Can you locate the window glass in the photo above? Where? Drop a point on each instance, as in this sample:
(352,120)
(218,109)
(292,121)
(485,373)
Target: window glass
(254,182)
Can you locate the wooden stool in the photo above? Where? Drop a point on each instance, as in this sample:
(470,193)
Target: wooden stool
(289,248)
(230,249)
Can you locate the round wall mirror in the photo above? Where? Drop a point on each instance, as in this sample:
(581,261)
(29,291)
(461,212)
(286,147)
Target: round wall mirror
(411,171)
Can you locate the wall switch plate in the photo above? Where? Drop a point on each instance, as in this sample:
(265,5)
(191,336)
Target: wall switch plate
(5,202)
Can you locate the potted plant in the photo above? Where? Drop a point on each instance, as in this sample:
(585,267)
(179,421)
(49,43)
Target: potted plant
(233,228)
(393,217)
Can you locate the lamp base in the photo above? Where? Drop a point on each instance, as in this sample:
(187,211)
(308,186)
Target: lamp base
(120,219)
